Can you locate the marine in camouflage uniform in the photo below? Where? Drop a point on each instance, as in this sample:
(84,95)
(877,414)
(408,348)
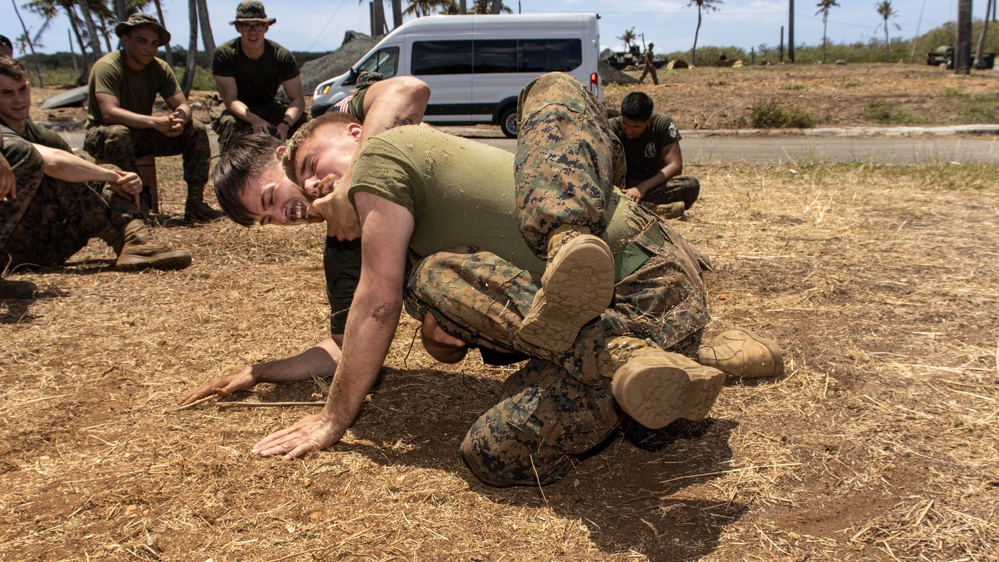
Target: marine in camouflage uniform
(560,404)
(50,220)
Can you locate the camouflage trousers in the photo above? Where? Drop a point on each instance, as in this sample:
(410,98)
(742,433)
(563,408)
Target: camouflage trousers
(120,145)
(559,404)
(679,188)
(565,163)
(229,127)
(52,219)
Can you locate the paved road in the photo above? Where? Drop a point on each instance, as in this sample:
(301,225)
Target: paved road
(835,146)
(883,150)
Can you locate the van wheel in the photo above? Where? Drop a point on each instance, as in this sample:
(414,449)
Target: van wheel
(508,123)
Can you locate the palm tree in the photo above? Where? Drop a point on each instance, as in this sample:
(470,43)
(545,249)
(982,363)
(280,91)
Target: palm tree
(207,38)
(489,7)
(886,11)
(421,8)
(192,47)
(824,6)
(709,5)
(628,38)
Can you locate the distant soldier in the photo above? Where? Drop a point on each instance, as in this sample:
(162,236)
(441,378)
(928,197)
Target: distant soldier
(120,122)
(650,65)
(248,71)
(6,48)
(652,149)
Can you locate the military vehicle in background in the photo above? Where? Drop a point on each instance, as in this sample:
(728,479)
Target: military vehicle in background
(944,54)
(632,57)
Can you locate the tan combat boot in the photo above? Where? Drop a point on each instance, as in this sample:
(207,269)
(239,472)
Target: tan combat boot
(743,354)
(656,387)
(140,251)
(577,286)
(669,210)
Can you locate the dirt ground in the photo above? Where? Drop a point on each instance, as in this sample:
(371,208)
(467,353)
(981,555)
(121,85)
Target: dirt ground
(723,98)
(880,442)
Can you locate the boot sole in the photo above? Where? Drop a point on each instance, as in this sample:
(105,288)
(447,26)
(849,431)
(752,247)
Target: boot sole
(657,395)
(165,261)
(577,287)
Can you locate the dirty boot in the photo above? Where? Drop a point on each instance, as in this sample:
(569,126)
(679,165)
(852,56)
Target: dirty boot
(17,289)
(577,286)
(667,210)
(197,210)
(656,387)
(743,354)
(140,251)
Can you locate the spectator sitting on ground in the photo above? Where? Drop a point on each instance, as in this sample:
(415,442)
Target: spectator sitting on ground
(652,150)
(59,201)
(120,122)
(248,71)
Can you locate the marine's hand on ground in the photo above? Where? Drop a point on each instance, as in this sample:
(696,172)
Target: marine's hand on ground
(241,379)
(311,433)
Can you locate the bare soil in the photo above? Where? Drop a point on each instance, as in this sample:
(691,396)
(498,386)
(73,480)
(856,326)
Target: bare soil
(723,98)
(880,442)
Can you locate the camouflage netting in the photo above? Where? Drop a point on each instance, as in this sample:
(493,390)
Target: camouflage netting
(611,75)
(355,45)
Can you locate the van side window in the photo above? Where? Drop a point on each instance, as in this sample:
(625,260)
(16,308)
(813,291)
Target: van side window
(384,62)
(496,56)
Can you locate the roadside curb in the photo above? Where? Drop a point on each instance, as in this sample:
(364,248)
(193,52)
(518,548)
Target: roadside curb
(975,130)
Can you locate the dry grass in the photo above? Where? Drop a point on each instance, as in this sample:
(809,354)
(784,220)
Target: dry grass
(880,442)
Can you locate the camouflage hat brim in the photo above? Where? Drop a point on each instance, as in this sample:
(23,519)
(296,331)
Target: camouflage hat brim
(268,21)
(142,20)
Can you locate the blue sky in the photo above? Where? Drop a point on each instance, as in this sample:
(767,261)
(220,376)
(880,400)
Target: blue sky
(319,25)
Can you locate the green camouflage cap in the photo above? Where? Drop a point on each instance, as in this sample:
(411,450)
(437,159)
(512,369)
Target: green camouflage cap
(140,20)
(251,11)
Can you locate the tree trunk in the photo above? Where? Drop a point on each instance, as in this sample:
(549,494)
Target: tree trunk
(825,19)
(88,20)
(463,7)
(396,13)
(980,56)
(693,52)
(31,46)
(106,33)
(207,39)
(120,10)
(168,55)
(962,45)
(887,44)
(192,47)
(74,24)
(495,6)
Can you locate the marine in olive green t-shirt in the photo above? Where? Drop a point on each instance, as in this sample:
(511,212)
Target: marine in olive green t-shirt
(135,89)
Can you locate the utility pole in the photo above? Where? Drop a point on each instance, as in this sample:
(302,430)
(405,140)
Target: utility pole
(962,46)
(790,33)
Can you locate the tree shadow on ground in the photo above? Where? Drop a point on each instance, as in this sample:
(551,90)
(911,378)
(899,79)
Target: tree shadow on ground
(631,492)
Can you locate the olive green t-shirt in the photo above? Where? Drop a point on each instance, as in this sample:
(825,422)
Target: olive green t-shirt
(257,81)
(40,135)
(645,154)
(461,193)
(136,90)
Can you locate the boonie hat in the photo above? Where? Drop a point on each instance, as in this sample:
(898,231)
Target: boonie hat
(140,20)
(651,44)
(251,11)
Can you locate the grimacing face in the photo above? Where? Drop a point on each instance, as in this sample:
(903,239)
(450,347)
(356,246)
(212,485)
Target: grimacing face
(272,198)
(322,160)
(15,99)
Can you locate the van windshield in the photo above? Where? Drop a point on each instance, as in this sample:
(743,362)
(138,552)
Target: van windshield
(383,61)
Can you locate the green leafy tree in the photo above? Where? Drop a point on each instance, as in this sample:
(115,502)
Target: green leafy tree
(886,11)
(702,6)
(421,8)
(824,7)
(490,7)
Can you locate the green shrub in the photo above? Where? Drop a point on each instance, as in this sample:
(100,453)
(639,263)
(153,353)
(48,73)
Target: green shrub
(882,112)
(770,115)
(793,86)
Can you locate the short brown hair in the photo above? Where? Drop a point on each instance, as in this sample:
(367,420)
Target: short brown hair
(13,68)
(245,157)
(305,132)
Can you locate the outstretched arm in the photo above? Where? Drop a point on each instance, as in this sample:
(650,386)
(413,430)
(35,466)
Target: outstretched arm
(672,166)
(371,325)
(319,360)
(68,167)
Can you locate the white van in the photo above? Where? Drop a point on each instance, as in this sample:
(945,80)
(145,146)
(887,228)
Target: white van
(476,65)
